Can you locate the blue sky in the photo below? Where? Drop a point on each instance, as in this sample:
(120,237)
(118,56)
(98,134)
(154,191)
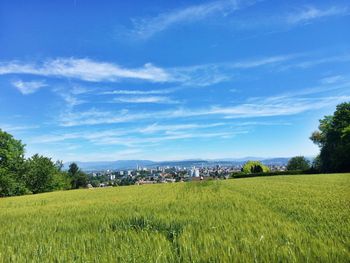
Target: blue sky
(164,80)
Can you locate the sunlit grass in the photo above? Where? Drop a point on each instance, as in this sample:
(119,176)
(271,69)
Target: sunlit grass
(280,218)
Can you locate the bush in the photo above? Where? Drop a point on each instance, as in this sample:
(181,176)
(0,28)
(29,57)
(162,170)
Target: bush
(254,167)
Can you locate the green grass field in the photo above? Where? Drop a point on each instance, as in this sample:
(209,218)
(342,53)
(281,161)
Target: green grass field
(280,218)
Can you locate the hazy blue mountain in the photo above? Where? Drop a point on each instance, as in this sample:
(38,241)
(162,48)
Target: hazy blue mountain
(132,164)
(112,165)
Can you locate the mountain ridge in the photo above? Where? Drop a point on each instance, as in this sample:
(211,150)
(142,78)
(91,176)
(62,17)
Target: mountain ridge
(132,164)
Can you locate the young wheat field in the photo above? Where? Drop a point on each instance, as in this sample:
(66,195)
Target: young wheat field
(271,219)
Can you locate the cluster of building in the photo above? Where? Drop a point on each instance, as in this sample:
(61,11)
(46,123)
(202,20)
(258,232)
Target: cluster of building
(167,174)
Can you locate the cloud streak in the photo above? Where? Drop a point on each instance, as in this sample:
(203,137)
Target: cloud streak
(28,87)
(312,13)
(147,27)
(259,107)
(85,69)
(138,92)
(95,71)
(146,99)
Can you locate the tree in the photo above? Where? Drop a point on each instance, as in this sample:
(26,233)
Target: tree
(333,137)
(40,174)
(61,181)
(9,186)
(298,163)
(78,177)
(254,167)
(11,165)
(73,169)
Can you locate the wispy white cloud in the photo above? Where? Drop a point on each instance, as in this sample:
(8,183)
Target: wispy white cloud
(276,21)
(67,136)
(139,92)
(159,130)
(262,107)
(132,141)
(201,75)
(71,100)
(146,99)
(147,27)
(311,13)
(259,107)
(15,128)
(262,61)
(94,116)
(332,79)
(132,135)
(308,63)
(28,87)
(214,73)
(84,69)
(94,71)
(77,90)
(176,127)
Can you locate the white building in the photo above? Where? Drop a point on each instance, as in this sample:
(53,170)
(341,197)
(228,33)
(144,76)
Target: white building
(196,173)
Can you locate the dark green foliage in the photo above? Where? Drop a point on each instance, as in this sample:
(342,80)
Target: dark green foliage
(333,137)
(61,181)
(11,165)
(39,176)
(254,167)
(11,153)
(298,163)
(78,178)
(9,186)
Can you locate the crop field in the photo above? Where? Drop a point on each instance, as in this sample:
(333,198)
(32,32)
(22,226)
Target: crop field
(272,219)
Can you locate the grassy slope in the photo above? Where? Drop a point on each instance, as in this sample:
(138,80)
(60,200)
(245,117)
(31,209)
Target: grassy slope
(283,218)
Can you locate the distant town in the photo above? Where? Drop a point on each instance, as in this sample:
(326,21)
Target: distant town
(166,174)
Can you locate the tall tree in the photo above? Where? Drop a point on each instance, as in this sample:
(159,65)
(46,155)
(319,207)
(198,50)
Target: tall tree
(333,137)
(78,177)
(11,153)
(11,165)
(298,163)
(40,174)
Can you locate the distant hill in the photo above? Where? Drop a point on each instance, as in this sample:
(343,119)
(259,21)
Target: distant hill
(132,164)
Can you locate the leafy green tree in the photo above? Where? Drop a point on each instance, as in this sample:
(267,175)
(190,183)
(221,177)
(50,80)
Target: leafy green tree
(9,185)
(73,169)
(11,165)
(298,163)
(78,178)
(40,174)
(61,181)
(333,137)
(254,167)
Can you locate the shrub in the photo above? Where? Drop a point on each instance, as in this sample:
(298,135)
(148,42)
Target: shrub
(254,167)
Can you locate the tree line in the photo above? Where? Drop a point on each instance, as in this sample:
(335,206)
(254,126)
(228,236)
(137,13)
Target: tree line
(36,174)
